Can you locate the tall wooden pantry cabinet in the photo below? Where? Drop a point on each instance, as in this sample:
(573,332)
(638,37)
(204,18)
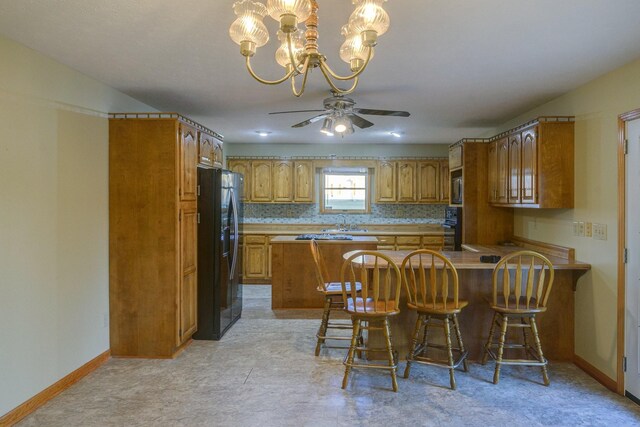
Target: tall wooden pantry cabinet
(153,271)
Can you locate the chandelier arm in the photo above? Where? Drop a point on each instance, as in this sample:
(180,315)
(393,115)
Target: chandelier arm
(305,73)
(323,64)
(267,82)
(336,88)
(298,67)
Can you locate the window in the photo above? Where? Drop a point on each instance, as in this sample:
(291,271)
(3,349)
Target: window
(345,190)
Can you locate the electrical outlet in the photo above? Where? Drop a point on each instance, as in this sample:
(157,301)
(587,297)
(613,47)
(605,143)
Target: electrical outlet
(588,230)
(600,231)
(576,228)
(581,228)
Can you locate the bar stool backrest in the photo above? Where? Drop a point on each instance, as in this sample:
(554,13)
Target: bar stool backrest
(322,274)
(522,281)
(380,278)
(430,279)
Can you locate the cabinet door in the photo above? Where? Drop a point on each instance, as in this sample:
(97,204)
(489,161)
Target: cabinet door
(243,167)
(255,261)
(406,181)
(188,266)
(515,152)
(261,181)
(282,181)
(445,188)
(386,181)
(205,149)
(492,172)
(303,181)
(428,181)
(188,162)
(503,171)
(217,153)
(529,166)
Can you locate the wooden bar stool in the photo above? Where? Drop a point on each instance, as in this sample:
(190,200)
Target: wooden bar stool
(371,309)
(431,282)
(521,285)
(332,292)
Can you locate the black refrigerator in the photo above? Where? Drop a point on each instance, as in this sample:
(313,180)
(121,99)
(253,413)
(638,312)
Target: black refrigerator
(219,257)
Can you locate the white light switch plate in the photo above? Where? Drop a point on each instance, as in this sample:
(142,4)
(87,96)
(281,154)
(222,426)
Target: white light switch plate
(600,231)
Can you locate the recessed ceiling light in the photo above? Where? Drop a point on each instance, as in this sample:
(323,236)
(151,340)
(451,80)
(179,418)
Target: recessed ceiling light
(396,134)
(263,132)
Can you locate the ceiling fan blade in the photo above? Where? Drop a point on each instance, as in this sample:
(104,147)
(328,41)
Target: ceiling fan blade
(298,111)
(359,121)
(382,112)
(311,120)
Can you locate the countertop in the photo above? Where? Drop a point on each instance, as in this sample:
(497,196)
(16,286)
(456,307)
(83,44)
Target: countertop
(372,229)
(467,260)
(356,239)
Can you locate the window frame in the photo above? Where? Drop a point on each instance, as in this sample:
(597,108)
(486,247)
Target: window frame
(347,171)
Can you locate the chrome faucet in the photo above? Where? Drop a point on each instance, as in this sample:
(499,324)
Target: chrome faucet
(344,222)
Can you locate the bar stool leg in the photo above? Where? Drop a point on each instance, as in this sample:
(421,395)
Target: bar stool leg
(503,334)
(426,333)
(352,350)
(524,334)
(492,330)
(414,345)
(456,326)
(534,329)
(447,334)
(387,336)
(322,331)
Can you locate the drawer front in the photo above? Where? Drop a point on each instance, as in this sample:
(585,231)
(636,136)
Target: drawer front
(432,240)
(255,240)
(408,240)
(386,240)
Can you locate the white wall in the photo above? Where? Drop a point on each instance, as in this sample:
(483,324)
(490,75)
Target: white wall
(596,106)
(54,261)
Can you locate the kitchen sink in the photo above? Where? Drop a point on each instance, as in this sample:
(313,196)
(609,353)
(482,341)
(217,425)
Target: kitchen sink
(344,230)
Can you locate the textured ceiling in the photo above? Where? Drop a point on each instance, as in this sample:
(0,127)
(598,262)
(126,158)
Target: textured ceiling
(461,67)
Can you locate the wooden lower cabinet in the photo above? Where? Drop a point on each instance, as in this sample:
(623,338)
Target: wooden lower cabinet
(256,259)
(153,267)
(410,242)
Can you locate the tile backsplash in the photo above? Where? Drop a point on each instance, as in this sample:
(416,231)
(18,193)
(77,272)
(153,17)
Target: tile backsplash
(310,214)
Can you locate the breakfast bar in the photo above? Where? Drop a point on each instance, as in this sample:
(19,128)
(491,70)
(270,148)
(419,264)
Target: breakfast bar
(475,284)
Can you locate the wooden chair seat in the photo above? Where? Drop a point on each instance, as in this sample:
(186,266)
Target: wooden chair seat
(371,308)
(525,277)
(439,307)
(335,288)
(431,281)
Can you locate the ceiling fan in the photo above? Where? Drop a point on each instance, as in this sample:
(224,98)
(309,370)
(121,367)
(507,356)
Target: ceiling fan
(340,115)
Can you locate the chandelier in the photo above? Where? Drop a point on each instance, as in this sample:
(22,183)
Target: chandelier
(298,53)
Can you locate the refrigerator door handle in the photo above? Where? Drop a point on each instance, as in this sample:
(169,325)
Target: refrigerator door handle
(236,232)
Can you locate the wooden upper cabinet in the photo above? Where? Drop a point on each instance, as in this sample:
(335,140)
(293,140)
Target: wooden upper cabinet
(188,265)
(205,149)
(217,153)
(492,172)
(243,167)
(188,162)
(428,181)
(261,181)
(515,153)
(406,191)
(282,181)
(502,194)
(386,181)
(529,166)
(444,181)
(303,181)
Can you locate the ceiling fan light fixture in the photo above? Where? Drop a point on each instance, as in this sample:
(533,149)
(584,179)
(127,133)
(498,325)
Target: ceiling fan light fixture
(343,125)
(327,126)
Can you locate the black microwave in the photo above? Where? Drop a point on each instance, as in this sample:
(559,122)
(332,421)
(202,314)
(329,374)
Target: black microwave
(456,189)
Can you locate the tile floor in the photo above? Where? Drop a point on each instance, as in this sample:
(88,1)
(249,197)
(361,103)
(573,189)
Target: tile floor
(263,372)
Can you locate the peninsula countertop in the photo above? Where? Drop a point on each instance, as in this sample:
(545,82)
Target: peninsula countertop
(355,239)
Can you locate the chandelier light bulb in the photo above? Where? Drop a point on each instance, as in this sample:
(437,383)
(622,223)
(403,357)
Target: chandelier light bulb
(289,12)
(353,51)
(297,46)
(369,18)
(248,30)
